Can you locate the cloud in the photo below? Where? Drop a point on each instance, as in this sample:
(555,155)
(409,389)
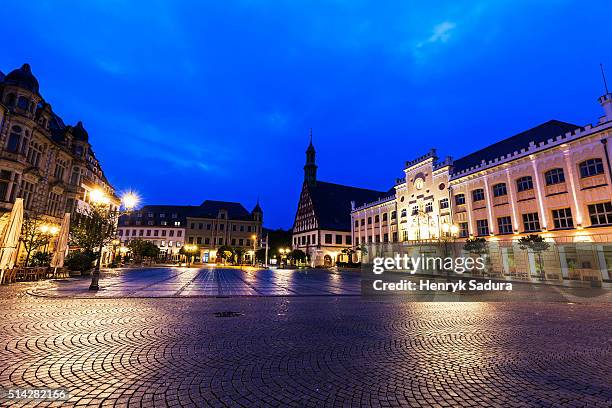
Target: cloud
(441,34)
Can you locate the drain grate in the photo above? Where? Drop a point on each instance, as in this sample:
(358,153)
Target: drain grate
(228,314)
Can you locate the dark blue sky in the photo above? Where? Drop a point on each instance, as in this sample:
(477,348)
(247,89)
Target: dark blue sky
(185,102)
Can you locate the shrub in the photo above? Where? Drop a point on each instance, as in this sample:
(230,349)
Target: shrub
(79,261)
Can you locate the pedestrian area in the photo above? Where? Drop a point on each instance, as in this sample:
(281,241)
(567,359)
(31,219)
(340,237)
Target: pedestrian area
(187,282)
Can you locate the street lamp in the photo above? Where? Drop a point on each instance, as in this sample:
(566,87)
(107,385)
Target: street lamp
(130,200)
(101,201)
(254,238)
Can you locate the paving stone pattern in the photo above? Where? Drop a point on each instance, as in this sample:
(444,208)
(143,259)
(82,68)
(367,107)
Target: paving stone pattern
(311,351)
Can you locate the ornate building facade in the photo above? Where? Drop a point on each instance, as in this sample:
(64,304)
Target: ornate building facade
(552,180)
(322,225)
(49,164)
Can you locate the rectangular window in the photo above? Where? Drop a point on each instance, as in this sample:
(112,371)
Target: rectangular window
(600,214)
(524,183)
(172,233)
(393,215)
(199,240)
(206,241)
(369,220)
(429,207)
(357,241)
(531,222)
(394,236)
(314,239)
(240,242)
(460,199)
(482,227)
(328,238)
(338,239)
(348,240)
(500,190)
(478,195)
(504,225)
(464,231)
(444,203)
(385,237)
(562,218)
(356,223)
(384,217)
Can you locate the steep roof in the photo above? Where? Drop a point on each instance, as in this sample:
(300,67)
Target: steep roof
(211,208)
(332,203)
(538,134)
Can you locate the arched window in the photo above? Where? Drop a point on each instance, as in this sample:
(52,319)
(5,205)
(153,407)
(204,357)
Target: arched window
(591,167)
(554,176)
(14,139)
(500,190)
(23,103)
(524,183)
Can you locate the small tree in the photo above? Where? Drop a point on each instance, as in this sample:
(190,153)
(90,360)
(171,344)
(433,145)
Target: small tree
(32,236)
(143,249)
(41,259)
(537,245)
(260,255)
(92,229)
(297,255)
(477,246)
(238,255)
(225,253)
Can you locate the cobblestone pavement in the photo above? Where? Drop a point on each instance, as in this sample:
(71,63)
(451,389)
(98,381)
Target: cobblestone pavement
(304,351)
(209,281)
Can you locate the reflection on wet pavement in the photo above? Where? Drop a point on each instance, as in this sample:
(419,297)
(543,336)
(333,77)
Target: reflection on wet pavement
(172,282)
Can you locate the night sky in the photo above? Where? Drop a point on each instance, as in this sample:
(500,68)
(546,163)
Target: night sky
(186,102)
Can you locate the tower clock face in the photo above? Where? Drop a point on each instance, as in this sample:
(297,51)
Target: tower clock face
(418,183)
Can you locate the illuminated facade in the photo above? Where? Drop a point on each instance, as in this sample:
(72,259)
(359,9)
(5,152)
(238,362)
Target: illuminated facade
(208,226)
(552,180)
(49,164)
(322,226)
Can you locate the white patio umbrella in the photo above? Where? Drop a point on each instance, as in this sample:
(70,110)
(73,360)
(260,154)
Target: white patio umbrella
(61,245)
(9,246)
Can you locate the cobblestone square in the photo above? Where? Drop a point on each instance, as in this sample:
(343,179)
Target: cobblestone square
(332,349)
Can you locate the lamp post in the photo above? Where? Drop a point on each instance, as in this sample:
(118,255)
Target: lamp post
(101,204)
(254,238)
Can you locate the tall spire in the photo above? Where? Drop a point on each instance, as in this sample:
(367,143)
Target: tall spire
(603,75)
(605,100)
(310,168)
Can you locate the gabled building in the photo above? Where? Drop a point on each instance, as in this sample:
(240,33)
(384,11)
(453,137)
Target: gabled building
(322,225)
(209,226)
